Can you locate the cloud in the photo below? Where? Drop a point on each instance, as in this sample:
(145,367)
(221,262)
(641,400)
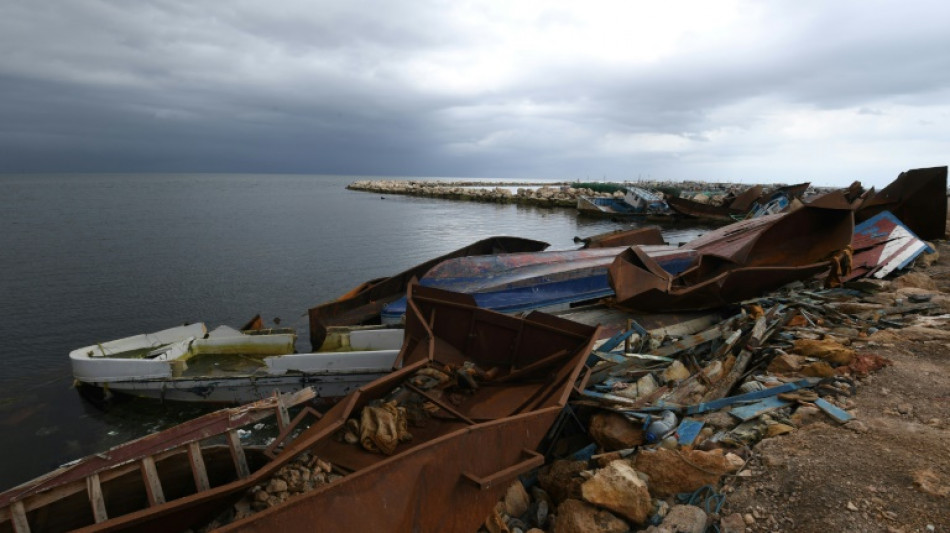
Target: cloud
(692,89)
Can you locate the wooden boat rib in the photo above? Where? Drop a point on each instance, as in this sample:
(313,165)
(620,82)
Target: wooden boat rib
(145,472)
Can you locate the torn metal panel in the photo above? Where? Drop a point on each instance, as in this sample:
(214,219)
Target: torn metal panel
(736,262)
(624,237)
(918,198)
(881,245)
(363,303)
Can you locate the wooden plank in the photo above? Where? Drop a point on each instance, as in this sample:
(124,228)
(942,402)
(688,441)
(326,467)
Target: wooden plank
(96,500)
(18,515)
(237,454)
(748,412)
(198,469)
(839,415)
(153,485)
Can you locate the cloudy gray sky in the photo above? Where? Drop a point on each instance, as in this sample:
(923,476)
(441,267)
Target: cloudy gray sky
(751,91)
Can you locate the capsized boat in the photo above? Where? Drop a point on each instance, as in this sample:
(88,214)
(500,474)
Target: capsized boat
(605,207)
(225,365)
(363,303)
(547,281)
(487,388)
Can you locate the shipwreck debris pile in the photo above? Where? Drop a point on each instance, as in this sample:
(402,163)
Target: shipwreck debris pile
(783,361)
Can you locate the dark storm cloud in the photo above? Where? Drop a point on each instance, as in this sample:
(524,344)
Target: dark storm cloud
(692,90)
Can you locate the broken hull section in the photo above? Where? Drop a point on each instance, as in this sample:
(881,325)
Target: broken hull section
(883,244)
(363,304)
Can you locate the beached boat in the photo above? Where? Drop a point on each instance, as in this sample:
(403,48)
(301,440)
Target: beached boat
(548,281)
(506,381)
(883,244)
(225,365)
(197,456)
(605,207)
(363,303)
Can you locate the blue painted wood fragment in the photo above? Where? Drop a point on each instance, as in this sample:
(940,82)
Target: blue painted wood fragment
(688,430)
(743,398)
(748,412)
(835,412)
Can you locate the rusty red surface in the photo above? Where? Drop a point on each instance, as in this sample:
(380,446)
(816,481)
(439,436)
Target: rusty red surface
(735,262)
(454,469)
(690,208)
(625,237)
(363,303)
(917,197)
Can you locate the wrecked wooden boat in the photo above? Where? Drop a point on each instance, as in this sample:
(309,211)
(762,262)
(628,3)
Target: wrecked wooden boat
(362,304)
(546,281)
(488,388)
(624,237)
(605,207)
(200,456)
(881,245)
(225,365)
(738,261)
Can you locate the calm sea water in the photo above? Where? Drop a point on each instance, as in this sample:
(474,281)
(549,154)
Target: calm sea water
(91,258)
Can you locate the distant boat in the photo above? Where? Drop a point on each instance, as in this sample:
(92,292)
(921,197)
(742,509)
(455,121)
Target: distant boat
(225,365)
(636,202)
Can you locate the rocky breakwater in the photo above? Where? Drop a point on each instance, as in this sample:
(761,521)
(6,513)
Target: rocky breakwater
(543,195)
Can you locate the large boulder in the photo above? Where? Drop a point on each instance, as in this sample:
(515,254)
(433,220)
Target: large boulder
(562,479)
(612,431)
(618,488)
(826,350)
(674,471)
(575,516)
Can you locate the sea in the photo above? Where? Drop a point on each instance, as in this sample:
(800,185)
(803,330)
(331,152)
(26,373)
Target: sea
(88,258)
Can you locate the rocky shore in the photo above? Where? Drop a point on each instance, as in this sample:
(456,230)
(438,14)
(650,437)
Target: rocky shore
(543,194)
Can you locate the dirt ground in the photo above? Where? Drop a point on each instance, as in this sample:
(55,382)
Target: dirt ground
(888,470)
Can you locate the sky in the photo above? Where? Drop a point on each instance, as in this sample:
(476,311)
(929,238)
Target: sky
(710,90)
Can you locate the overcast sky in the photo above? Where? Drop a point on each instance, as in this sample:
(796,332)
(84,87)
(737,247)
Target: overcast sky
(710,90)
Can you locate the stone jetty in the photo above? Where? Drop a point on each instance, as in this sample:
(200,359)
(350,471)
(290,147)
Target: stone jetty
(544,195)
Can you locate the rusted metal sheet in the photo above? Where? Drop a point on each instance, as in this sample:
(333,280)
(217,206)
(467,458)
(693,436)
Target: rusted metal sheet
(743,202)
(454,469)
(363,303)
(690,208)
(881,245)
(650,235)
(736,262)
(917,197)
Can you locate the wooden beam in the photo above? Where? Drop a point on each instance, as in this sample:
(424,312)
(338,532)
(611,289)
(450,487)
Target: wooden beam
(198,469)
(237,453)
(283,417)
(18,514)
(153,485)
(96,500)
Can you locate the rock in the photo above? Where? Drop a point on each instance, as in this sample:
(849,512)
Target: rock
(675,372)
(517,499)
(826,350)
(642,387)
(618,489)
(929,482)
(818,369)
(852,507)
(612,431)
(684,519)
(786,363)
(575,516)
(775,430)
(857,426)
(748,519)
(735,462)
(915,279)
(732,523)
(276,485)
(720,420)
(674,471)
(561,480)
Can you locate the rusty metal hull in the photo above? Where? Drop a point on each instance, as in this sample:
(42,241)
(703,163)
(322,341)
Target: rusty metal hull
(650,235)
(918,198)
(363,303)
(690,208)
(452,471)
(736,262)
(456,467)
